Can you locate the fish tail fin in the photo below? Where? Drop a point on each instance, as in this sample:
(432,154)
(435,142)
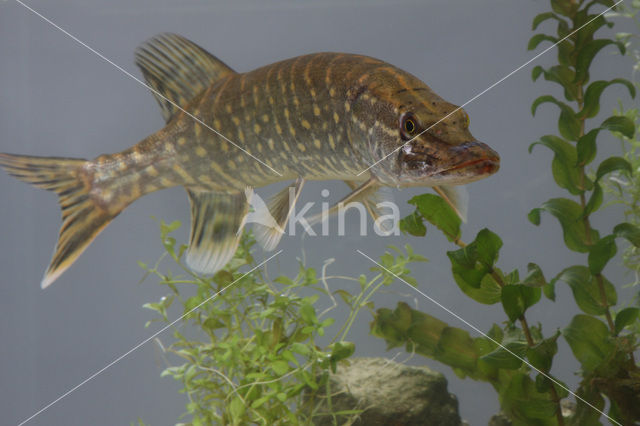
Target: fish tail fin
(82,217)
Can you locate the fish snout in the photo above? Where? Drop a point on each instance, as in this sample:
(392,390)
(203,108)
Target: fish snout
(479,155)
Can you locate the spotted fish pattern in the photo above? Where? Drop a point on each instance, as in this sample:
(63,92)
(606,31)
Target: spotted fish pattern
(321,116)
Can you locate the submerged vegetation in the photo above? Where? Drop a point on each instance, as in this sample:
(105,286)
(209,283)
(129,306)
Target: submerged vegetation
(257,350)
(604,336)
(260,354)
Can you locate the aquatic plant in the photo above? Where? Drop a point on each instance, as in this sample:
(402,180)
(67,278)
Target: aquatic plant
(602,338)
(255,350)
(625,190)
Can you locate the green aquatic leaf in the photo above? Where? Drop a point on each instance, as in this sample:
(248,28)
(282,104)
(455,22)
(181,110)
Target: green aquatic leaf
(534,216)
(607,3)
(473,264)
(595,200)
(425,332)
(561,74)
(626,317)
(539,38)
(413,225)
(237,409)
(280,367)
(563,7)
(525,404)
(569,214)
(586,147)
(392,326)
(565,162)
(629,231)
(586,290)
(591,104)
(516,299)
(613,164)
(308,313)
(536,71)
(549,290)
(588,338)
(435,210)
(620,124)
(428,336)
(488,244)
(568,123)
(543,100)
(541,354)
(339,351)
(342,350)
(456,349)
(487,293)
(589,24)
(586,54)
(601,253)
(508,356)
(540,18)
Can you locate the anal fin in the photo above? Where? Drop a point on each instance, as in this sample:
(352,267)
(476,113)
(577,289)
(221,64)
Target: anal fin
(216,225)
(270,219)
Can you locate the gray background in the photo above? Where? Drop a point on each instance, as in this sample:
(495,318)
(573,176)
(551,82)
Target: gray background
(57,98)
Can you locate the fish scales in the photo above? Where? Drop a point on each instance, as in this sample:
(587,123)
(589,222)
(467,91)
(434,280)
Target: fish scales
(295,96)
(323,116)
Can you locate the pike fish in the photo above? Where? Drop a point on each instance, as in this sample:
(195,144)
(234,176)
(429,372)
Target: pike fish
(322,116)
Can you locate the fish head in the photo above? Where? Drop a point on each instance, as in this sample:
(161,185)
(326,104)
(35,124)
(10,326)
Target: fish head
(425,140)
(441,153)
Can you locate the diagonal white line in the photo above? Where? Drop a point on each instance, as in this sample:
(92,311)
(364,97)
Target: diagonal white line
(449,311)
(74,38)
(118,359)
(493,85)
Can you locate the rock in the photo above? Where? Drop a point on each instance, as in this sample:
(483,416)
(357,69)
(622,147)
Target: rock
(389,394)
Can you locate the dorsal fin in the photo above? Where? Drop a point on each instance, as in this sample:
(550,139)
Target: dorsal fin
(178,69)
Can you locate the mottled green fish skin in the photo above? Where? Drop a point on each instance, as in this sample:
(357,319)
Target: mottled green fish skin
(322,116)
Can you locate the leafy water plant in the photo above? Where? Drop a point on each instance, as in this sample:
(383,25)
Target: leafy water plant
(625,190)
(601,338)
(256,350)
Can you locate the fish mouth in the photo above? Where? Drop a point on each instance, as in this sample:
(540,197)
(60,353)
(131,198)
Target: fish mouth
(482,166)
(475,161)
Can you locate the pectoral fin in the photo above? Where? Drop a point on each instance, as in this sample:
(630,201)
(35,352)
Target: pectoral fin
(271,219)
(374,201)
(362,193)
(216,225)
(457,197)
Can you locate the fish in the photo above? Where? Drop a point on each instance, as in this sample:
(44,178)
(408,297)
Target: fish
(320,116)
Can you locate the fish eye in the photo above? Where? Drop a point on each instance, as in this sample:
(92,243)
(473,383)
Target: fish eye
(408,125)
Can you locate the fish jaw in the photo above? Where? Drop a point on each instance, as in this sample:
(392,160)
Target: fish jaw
(446,165)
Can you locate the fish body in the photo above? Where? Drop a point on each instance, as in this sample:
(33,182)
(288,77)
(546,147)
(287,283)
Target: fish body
(322,116)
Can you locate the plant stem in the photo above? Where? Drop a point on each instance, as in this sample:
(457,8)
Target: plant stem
(585,219)
(527,332)
(603,296)
(554,394)
(530,342)
(498,279)
(556,398)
